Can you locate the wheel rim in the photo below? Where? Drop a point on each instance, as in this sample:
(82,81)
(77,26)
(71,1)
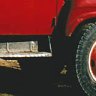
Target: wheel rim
(92,63)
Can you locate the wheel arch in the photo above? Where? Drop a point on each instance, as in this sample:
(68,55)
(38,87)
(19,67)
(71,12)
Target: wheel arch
(82,19)
(77,29)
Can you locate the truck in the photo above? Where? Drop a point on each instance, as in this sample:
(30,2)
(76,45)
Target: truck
(27,28)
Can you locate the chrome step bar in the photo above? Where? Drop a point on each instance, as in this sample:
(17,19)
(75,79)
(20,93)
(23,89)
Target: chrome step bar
(28,54)
(23,49)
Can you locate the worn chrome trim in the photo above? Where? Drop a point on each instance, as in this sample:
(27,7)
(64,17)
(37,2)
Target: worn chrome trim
(29,54)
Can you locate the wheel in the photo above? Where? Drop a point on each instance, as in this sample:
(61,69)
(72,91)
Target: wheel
(86,59)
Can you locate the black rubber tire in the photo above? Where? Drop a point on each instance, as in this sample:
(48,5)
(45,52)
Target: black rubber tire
(82,54)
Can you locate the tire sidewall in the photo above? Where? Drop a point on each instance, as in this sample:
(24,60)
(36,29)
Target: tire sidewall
(82,58)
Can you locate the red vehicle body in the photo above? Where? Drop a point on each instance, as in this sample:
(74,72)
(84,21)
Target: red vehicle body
(27,17)
(43,18)
(33,17)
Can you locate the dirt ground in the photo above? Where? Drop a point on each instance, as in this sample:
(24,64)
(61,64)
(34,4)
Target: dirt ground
(38,76)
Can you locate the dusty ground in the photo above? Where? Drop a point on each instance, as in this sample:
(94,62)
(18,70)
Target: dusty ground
(41,79)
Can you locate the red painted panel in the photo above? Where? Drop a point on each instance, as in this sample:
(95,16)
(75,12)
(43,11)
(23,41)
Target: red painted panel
(60,3)
(81,10)
(27,17)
